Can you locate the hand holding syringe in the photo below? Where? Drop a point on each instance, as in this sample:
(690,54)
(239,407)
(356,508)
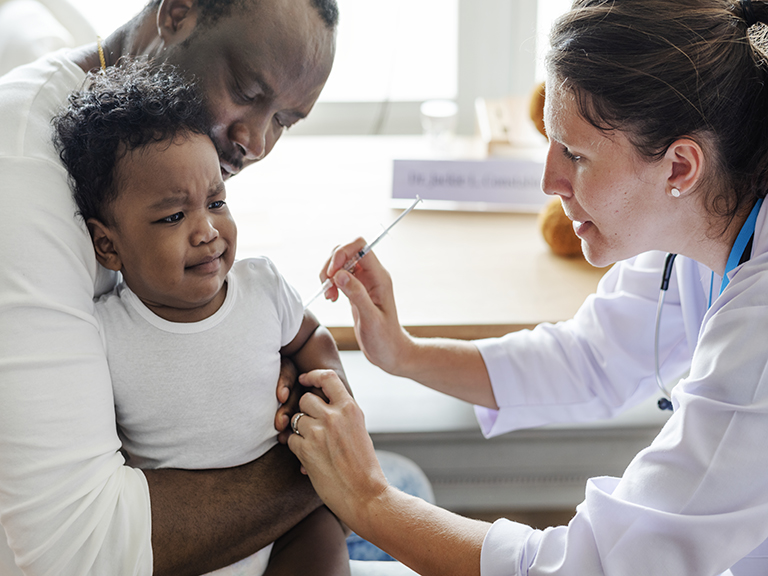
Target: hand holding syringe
(350,264)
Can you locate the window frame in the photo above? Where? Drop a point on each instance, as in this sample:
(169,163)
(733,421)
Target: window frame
(497,58)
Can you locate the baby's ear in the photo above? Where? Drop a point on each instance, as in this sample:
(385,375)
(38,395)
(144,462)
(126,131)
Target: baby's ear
(106,251)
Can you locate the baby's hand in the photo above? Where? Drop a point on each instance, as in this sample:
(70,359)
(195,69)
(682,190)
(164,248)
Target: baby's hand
(288,394)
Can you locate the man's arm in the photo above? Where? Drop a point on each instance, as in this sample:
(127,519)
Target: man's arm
(317,546)
(205,520)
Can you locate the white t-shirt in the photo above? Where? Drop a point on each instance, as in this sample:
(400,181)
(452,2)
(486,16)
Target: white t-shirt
(201,395)
(695,502)
(68,504)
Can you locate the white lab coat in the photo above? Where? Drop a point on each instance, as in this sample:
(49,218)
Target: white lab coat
(696,501)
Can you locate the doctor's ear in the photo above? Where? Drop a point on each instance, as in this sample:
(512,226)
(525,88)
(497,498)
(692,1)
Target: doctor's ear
(104,245)
(687,166)
(175,20)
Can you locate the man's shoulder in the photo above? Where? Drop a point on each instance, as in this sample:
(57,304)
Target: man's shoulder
(30,96)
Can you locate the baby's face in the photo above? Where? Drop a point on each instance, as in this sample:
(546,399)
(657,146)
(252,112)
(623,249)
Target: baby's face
(173,231)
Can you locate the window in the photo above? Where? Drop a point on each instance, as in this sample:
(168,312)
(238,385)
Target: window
(106,17)
(391,56)
(422,49)
(399,50)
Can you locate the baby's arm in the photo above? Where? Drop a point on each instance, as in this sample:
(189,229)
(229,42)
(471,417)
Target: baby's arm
(314,347)
(317,544)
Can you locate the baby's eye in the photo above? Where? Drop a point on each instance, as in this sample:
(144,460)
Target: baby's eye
(217,204)
(172,219)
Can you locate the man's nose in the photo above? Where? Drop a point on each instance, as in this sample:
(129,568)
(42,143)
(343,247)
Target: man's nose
(250,136)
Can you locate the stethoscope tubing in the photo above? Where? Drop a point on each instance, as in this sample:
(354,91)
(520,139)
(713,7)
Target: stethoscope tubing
(665,403)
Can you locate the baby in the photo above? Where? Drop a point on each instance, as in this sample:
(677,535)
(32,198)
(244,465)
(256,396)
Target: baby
(193,337)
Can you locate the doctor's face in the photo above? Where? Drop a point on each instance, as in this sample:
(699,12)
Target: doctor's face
(607,189)
(261,68)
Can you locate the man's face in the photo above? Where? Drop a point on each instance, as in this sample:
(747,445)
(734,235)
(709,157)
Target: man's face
(261,69)
(173,233)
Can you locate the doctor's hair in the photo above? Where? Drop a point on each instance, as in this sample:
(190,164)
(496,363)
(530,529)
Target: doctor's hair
(659,70)
(212,10)
(120,110)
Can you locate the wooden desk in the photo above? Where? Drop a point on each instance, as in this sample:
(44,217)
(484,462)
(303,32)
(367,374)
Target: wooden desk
(457,274)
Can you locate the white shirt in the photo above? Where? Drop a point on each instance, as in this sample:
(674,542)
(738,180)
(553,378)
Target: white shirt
(695,502)
(200,395)
(68,504)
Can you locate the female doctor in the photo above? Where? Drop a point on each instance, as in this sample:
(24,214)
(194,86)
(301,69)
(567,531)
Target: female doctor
(657,116)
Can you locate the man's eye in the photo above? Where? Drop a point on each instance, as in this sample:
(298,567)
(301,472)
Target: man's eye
(244,94)
(217,204)
(247,98)
(172,219)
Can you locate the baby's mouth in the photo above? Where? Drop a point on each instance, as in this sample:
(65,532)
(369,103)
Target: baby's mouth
(209,262)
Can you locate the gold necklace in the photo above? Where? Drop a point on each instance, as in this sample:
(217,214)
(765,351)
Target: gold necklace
(101,53)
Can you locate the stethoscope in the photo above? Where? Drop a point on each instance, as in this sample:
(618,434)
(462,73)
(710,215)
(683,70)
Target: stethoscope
(665,402)
(740,253)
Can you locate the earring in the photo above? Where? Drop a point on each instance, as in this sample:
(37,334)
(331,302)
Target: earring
(675,192)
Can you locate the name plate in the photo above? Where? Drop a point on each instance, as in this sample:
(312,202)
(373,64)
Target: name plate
(496,184)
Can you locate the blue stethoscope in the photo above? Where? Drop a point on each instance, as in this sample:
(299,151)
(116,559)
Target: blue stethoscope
(740,253)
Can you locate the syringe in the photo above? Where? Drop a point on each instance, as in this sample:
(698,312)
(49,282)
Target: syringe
(350,264)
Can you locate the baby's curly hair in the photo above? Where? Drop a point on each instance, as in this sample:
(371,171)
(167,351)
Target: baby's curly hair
(121,109)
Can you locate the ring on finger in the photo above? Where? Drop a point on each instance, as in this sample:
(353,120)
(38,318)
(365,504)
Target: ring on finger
(295,422)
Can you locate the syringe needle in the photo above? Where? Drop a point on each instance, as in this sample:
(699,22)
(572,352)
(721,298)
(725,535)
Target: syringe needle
(368,247)
(350,264)
(327,284)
